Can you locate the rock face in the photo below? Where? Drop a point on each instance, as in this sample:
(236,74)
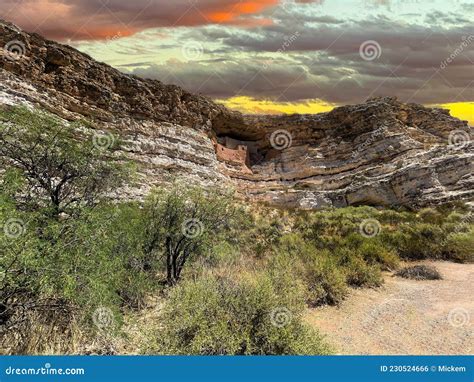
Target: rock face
(383,152)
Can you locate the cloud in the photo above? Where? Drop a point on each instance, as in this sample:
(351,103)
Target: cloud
(296,51)
(100,19)
(288,62)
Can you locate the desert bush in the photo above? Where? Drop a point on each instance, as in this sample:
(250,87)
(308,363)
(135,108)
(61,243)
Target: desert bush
(320,270)
(360,274)
(431,216)
(59,272)
(418,241)
(62,165)
(214,316)
(326,280)
(419,272)
(459,246)
(372,250)
(455,218)
(327,273)
(181,223)
(395,217)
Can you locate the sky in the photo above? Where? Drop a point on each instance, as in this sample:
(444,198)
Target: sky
(276,56)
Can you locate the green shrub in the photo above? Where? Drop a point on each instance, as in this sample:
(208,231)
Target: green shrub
(372,250)
(361,274)
(358,272)
(394,217)
(64,166)
(454,218)
(66,270)
(459,247)
(322,275)
(326,280)
(418,241)
(431,216)
(213,316)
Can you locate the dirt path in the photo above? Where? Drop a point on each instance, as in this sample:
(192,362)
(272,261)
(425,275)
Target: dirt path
(405,316)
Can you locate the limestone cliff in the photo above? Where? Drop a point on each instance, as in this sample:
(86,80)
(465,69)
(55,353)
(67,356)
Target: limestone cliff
(383,152)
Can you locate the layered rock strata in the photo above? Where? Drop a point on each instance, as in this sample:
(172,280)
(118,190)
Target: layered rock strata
(383,152)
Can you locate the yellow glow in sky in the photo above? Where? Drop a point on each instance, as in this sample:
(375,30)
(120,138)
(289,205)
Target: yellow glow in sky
(461,110)
(248,105)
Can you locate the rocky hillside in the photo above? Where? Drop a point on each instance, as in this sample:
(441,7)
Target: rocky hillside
(383,152)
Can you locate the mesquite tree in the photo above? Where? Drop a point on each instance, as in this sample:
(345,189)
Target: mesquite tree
(62,165)
(182,223)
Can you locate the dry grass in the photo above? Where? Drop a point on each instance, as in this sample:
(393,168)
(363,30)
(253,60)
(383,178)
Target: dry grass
(38,334)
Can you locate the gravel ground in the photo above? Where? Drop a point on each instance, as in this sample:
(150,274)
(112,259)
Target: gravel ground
(405,316)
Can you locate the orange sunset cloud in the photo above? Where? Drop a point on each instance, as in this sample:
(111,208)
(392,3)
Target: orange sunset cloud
(98,20)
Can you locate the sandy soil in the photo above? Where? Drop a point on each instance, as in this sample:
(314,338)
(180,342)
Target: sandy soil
(405,316)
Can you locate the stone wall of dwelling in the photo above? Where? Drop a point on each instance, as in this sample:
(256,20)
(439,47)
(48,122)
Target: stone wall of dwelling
(238,156)
(233,144)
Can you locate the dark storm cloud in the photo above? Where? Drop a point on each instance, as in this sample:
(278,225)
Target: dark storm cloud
(323,61)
